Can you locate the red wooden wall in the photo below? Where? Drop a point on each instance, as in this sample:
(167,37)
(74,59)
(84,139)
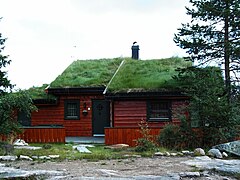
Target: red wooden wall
(131,113)
(126,135)
(54,114)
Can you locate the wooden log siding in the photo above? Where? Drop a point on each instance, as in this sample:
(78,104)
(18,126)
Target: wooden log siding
(48,115)
(126,135)
(43,135)
(131,113)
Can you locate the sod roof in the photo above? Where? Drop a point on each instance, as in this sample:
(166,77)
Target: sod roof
(147,75)
(133,75)
(87,73)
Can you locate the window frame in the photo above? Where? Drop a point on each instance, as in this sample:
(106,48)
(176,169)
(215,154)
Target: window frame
(66,104)
(161,119)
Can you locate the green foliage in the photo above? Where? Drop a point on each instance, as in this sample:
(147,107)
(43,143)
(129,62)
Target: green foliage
(144,75)
(145,143)
(178,136)
(39,92)
(209,108)
(213,35)
(4,81)
(10,104)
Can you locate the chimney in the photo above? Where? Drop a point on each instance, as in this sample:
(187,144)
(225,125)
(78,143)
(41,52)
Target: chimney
(135,49)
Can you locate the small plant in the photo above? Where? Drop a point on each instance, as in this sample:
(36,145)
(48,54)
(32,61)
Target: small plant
(145,143)
(47,146)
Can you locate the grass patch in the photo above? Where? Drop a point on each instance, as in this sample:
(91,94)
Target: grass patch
(87,73)
(39,93)
(66,152)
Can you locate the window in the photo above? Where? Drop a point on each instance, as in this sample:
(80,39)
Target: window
(72,109)
(24,119)
(159,111)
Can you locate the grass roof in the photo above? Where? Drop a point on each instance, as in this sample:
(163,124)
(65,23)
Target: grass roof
(133,75)
(39,92)
(147,75)
(87,73)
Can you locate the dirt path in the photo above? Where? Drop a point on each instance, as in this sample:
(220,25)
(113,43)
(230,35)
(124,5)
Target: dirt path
(131,167)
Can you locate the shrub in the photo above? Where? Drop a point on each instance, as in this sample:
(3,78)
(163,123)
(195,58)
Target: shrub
(145,143)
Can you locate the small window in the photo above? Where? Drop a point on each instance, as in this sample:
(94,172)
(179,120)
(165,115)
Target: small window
(72,109)
(159,111)
(24,119)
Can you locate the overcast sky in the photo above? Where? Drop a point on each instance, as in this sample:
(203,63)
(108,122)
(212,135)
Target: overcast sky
(45,36)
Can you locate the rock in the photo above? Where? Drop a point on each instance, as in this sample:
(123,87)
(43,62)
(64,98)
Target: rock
(167,153)
(203,158)
(187,153)
(199,152)
(27,147)
(230,147)
(20,142)
(189,174)
(158,154)
(8,158)
(22,157)
(215,153)
(54,156)
(230,167)
(179,154)
(44,157)
(224,154)
(173,154)
(82,149)
(117,146)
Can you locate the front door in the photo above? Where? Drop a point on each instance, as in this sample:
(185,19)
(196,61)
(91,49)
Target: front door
(101,116)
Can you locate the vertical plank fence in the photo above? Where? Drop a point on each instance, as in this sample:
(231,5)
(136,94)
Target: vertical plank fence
(43,135)
(126,135)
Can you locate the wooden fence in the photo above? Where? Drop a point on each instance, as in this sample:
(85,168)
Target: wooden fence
(126,135)
(43,135)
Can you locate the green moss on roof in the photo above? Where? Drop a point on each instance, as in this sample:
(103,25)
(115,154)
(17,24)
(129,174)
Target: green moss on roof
(87,73)
(39,92)
(147,75)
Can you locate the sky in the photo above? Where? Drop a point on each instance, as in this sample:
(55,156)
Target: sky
(45,36)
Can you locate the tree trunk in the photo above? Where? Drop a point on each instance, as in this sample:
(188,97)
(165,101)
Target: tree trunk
(227,50)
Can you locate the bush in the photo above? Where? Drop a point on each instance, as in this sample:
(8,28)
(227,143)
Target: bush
(178,136)
(145,143)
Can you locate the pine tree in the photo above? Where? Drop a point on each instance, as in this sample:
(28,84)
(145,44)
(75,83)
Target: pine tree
(213,35)
(4,81)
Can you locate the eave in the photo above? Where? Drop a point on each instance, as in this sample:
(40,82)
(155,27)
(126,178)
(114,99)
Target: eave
(75,90)
(147,95)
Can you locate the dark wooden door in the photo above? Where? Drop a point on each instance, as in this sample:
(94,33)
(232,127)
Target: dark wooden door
(101,116)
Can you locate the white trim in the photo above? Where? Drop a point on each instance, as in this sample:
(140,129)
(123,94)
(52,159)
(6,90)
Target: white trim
(98,135)
(104,92)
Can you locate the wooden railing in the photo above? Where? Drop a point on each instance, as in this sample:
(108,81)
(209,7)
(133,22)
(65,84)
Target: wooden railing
(126,135)
(43,134)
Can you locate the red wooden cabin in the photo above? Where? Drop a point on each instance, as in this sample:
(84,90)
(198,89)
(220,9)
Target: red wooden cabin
(105,97)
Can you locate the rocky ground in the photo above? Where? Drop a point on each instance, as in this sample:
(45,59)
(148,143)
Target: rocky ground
(131,168)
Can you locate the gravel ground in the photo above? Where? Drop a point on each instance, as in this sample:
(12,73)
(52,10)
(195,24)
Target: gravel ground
(115,169)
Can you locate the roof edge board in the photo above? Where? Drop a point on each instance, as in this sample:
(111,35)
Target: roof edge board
(119,67)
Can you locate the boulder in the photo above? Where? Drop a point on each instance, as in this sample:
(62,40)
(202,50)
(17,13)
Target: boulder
(230,147)
(199,152)
(215,153)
